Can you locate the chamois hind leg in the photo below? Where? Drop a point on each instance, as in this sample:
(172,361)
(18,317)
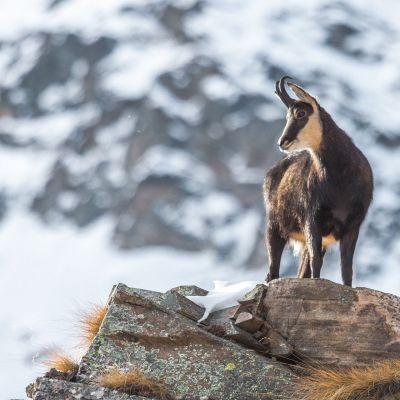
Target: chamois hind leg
(304,267)
(314,247)
(275,245)
(347,247)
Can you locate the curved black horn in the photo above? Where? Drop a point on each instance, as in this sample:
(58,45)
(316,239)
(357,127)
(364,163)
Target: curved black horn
(280,90)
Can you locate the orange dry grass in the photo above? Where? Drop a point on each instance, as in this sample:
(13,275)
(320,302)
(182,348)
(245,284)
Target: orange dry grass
(90,321)
(61,361)
(357,383)
(134,382)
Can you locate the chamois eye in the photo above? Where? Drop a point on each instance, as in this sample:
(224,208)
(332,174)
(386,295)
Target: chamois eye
(300,114)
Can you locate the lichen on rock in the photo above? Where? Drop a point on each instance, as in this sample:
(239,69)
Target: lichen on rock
(239,353)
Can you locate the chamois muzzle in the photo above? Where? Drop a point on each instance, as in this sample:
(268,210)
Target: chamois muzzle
(284,143)
(281,92)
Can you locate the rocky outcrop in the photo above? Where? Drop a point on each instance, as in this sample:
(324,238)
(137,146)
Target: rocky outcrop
(242,352)
(331,323)
(158,333)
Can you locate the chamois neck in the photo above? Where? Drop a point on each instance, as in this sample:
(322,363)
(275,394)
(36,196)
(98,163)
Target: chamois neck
(331,156)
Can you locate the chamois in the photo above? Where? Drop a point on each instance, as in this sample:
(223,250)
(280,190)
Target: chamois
(319,193)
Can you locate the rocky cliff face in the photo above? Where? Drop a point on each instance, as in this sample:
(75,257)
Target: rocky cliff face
(246,352)
(160,115)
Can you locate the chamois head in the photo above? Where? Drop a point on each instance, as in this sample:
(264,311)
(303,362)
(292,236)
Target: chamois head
(303,128)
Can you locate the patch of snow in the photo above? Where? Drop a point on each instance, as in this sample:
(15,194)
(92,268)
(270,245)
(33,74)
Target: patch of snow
(222,295)
(117,131)
(68,200)
(216,88)
(188,110)
(161,160)
(130,71)
(110,156)
(270,112)
(89,18)
(18,60)
(244,174)
(49,130)
(56,96)
(93,19)
(236,120)
(23,172)
(199,216)
(242,233)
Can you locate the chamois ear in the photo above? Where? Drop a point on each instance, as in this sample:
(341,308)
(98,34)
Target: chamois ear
(303,95)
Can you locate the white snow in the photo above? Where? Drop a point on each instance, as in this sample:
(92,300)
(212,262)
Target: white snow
(222,295)
(52,129)
(56,96)
(241,233)
(244,173)
(188,110)
(217,88)
(161,160)
(131,71)
(217,218)
(89,18)
(68,200)
(200,216)
(18,60)
(22,172)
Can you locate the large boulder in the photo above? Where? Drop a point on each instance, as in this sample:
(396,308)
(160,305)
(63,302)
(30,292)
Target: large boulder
(329,323)
(239,353)
(148,331)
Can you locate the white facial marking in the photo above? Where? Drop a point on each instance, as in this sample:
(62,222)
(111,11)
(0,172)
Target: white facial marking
(310,136)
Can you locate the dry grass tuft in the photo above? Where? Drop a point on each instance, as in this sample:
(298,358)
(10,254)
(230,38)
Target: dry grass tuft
(62,362)
(89,322)
(133,382)
(357,383)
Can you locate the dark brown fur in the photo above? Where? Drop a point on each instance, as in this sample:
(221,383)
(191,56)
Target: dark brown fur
(318,193)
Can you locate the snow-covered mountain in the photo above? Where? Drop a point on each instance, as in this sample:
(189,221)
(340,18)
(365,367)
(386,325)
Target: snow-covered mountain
(135,134)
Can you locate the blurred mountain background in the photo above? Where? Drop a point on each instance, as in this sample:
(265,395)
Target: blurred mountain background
(135,135)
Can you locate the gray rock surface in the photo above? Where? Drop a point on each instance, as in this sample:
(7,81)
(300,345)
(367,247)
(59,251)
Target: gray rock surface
(239,353)
(141,332)
(45,389)
(326,322)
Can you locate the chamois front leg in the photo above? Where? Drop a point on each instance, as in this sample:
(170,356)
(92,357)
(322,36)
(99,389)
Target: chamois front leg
(313,238)
(275,245)
(347,247)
